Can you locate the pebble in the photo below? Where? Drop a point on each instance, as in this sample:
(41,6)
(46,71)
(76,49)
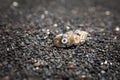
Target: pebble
(111,63)
(45,37)
(67,27)
(117,29)
(81,24)
(8,49)
(46,12)
(37,68)
(105,62)
(22,44)
(71,66)
(15,4)
(42,16)
(107,13)
(37,64)
(83,76)
(102,71)
(87,55)
(48,31)
(55,25)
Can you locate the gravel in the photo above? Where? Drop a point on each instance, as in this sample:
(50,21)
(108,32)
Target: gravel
(27,29)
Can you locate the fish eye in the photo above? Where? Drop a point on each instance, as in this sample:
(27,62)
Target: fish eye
(64,40)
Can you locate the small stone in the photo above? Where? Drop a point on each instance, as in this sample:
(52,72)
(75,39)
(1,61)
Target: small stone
(45,37)
(15,4)
(46,12)
(82,24)
(55,25)
(83,76)
(48,31)
(117,29)
(42,16)
(12,47)
(105,62)
(107,13)
(8,49)
(22,44)
(24,79)
(35,60)
(115,37)
(102,63)
(37,68)
(37,64)
(72,66)
(67,27)
(111,63)
(102,71)
(87,55)
(74,11)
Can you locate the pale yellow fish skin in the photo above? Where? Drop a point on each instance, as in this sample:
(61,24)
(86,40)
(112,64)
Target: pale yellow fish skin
(73,37)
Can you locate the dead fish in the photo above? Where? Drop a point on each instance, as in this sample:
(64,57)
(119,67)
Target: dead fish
(70,38)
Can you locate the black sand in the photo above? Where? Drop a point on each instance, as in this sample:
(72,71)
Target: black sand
(27,29)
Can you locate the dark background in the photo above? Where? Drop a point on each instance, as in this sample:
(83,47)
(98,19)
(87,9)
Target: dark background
(27,29)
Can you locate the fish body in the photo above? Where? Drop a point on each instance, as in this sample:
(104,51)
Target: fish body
(70,38)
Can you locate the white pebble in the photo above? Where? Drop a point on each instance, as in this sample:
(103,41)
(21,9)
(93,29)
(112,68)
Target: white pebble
(82,24)
(46,12)
(102,63)
(87,55)
(37,64)
(117,29)
(102,71)
(48,31)
(8,49)
(107,13)
(42,16)
(15,4)
(111,63)
(67,27)
(55,25)
(37,68)
(105,62)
